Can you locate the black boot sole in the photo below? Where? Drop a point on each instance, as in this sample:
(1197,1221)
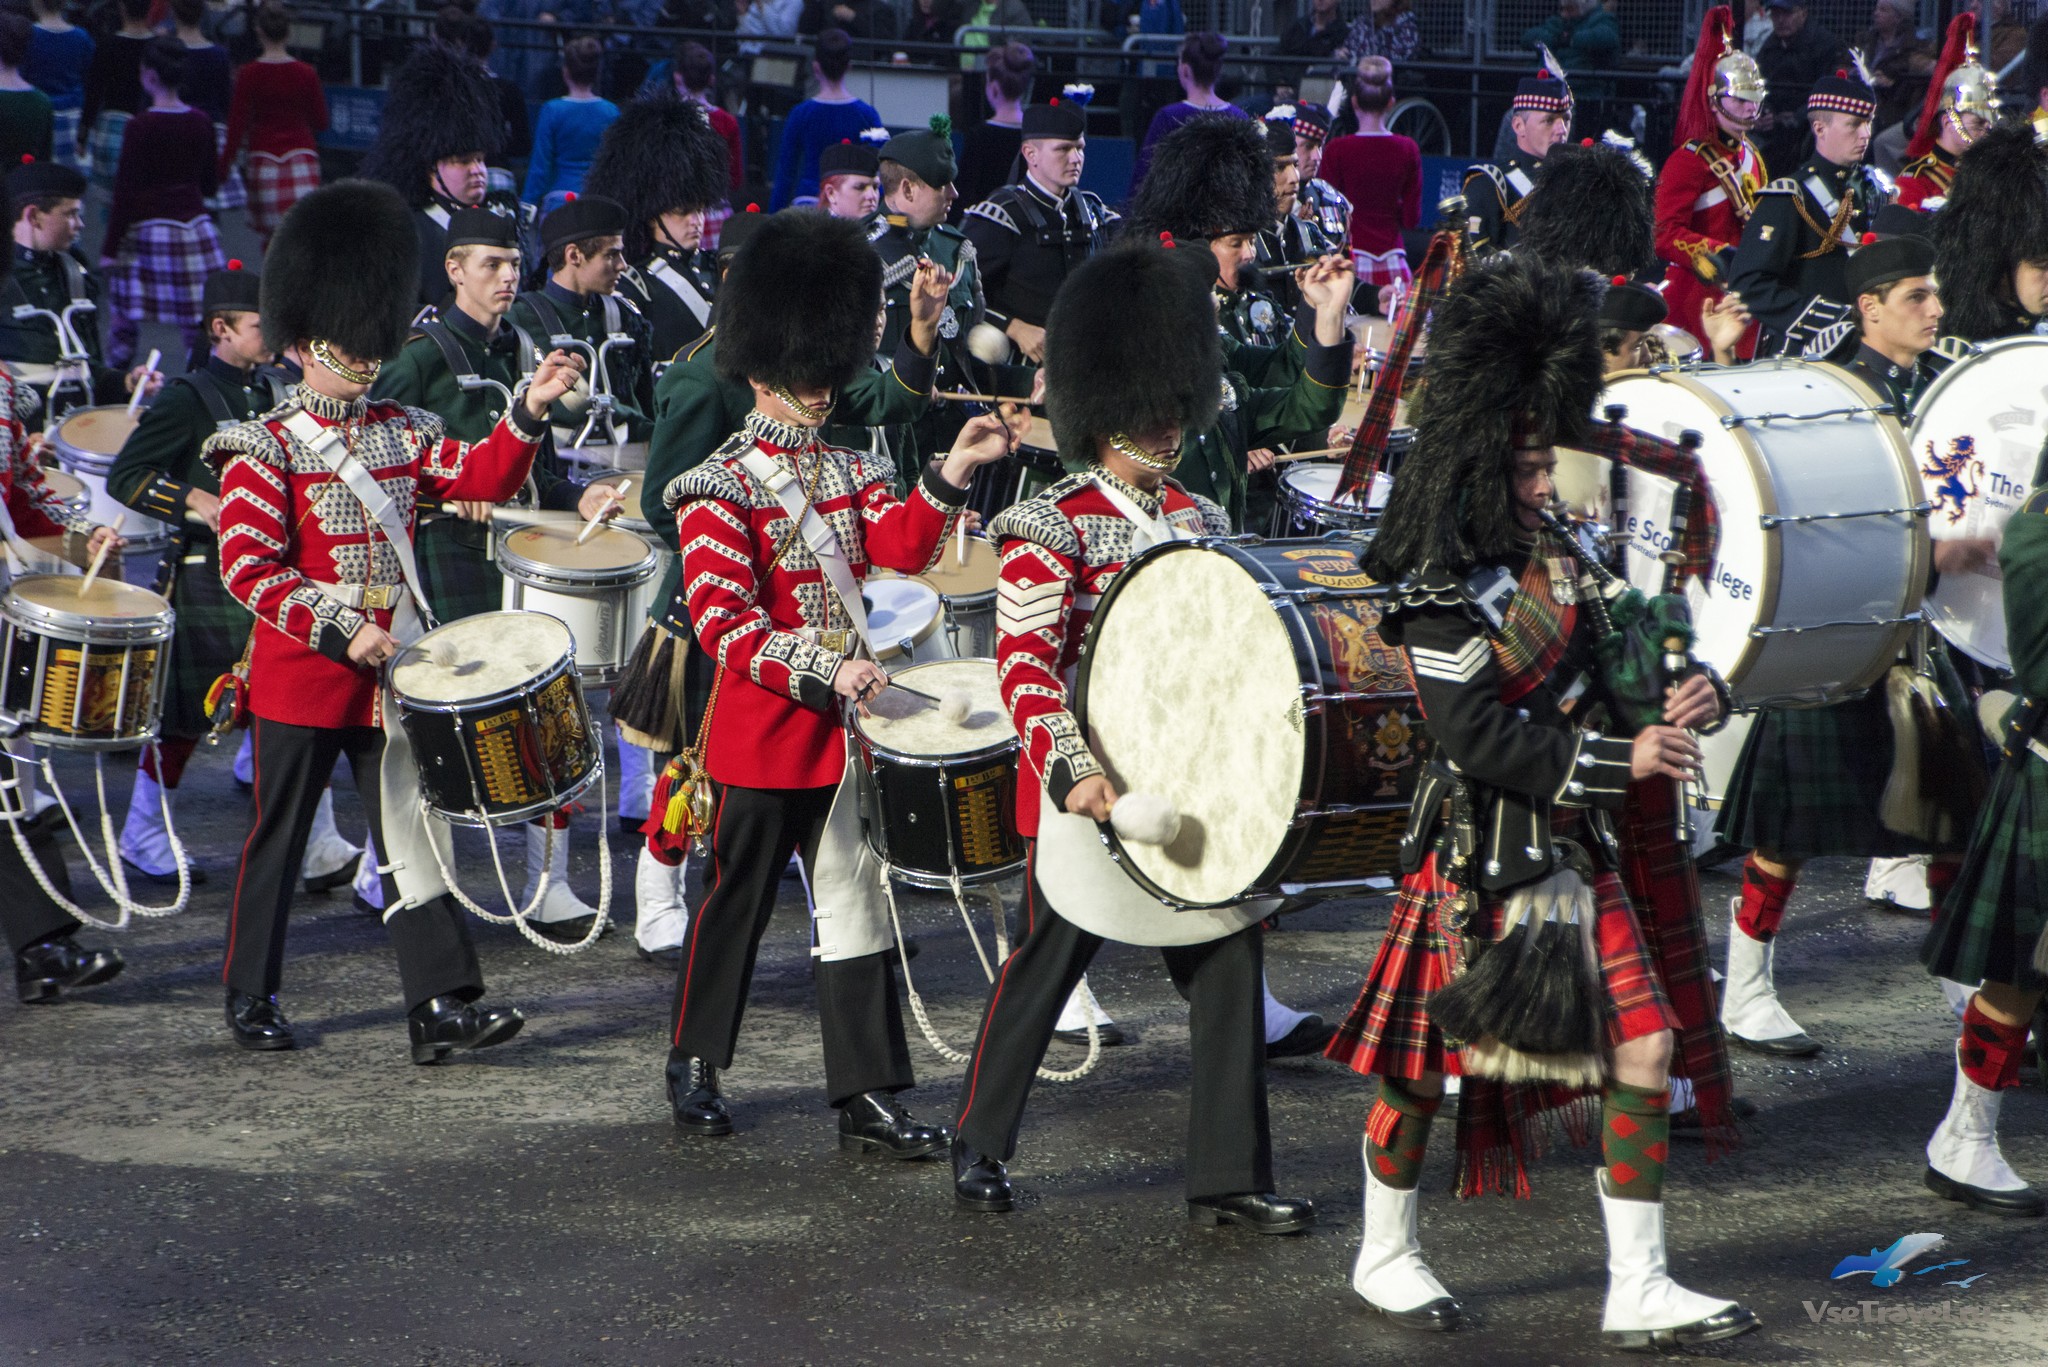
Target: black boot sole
(1208,1217)
(327,882)
(1790,1046)
(430,1052)
(703,1129)
(2026,1205)
(856,1143)
(136,873)
(1728,1324)
(1443,1316)
(986,1205)
(39,991)
(265,1044)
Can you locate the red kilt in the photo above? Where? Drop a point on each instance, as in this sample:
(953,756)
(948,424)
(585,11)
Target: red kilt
(162,269)
(276,183)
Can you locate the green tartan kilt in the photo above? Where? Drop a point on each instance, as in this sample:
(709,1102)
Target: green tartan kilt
(211,631)
(456,568)
(1989,923)
(1810,781)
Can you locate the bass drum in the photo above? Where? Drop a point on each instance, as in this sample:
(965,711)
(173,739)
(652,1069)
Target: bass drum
(1823,554)
(1977,439)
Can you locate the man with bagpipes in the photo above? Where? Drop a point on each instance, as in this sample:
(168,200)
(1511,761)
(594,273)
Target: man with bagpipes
(1513,957)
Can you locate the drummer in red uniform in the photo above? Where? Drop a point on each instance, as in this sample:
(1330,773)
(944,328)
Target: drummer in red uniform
(1960,102)
(778,528)
(316,526)
(1710,181)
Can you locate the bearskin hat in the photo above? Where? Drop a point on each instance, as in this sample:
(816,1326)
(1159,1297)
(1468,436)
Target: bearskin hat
(659,156)
(1211,176)
(1996,216)
(799,303)
(1514,349)
(441,104)
(344,266)
(1131,346)
(1590,210)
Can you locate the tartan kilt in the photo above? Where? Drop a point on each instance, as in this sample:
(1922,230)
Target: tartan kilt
(103,146)
(1988,925)
(64,137)
(232,194)
(1382,268)
(161,272)
(277,183)
(456,568)
(211,631)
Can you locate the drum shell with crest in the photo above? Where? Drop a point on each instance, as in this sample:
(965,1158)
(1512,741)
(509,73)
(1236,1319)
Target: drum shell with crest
(84,671)
(601,588)
(86,442)
(494,710)
(1247,684)
(939,798)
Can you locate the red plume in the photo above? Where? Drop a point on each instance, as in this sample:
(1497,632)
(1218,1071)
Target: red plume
(1960,30)
(1696,107)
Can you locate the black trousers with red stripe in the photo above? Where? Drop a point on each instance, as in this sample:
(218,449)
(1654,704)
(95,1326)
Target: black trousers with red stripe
(27,915)
(1229,1147)
(752,837)
(293,765)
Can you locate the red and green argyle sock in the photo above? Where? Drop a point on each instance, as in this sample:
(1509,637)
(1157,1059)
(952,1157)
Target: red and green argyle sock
(1635,1140)
(1990,1049)
(1397,1134)
(1763,901)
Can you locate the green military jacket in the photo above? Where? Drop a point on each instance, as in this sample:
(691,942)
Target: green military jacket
(901,247)
(592,318)
(159,463)
(45,280)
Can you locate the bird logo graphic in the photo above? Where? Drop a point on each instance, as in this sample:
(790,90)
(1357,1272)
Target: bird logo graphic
(1886,1265)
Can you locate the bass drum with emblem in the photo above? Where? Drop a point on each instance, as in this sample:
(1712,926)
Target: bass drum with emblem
(1249,687)
(1977,439)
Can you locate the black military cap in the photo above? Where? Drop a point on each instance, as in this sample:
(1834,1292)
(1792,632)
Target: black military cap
(848,157)
(1064,119)
(1878,263)
(926,152)
(1631,307)
(737,229)
(1897,220)
(35,179)
(583,217)
(233,290)
(483,228)
(1842,91)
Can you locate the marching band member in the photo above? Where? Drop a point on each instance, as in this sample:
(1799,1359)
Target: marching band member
(316,540)
(1794,251)
(1811,782)
(1512,839)
(662,161)
(1961,101)
(1131,366)
(1248,307)
(1708,186)
(467,339)
(159,474)
(850,176)
(1317,201)
(1541,115)
(584,245)
(1991,239)
(777,531)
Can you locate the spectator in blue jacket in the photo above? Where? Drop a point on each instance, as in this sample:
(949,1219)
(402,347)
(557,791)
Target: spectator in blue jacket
(828,117)
(566,135)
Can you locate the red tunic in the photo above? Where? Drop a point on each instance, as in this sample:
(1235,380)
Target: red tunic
(31,502)
(287,522)
(1704,195)
(1924,182)
(1060,551)
(776,722)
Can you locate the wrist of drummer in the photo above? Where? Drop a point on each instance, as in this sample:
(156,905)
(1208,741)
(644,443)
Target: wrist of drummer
(1066,759)
(811,656)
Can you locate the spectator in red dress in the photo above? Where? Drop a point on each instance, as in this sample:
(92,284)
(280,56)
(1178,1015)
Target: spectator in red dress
(280,110)
(1380,173)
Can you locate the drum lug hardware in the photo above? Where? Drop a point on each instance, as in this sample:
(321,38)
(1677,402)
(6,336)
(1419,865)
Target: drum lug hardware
(1772,521)
(1910,619)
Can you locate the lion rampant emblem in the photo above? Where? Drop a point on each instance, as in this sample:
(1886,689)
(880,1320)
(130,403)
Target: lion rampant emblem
(1948,473)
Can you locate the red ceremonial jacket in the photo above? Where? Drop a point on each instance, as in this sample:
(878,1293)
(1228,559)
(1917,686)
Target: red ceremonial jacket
(31,502)
(286,519)
(1924,181)
(777,723)
(1059,553)
(1704,195)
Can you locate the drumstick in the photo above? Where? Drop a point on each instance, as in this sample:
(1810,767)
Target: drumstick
(142,380)
(960,542)
(913,692)
(100,557)
(617,495)
(1285,456)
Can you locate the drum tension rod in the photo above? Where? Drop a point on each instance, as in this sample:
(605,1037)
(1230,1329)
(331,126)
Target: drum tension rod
(1910,619)
(1770,521)
(1734,420)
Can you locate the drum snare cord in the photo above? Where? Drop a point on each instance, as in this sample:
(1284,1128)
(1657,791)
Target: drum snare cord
(113,879)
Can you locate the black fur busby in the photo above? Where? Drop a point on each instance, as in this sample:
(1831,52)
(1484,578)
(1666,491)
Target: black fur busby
(1996,217)
(441,104)
(659,156)
(1590,210)
(1131,346)
(1514,348)
(344,266)
(799,303)
(1210,176)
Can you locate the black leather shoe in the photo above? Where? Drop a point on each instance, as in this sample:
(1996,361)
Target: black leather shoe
(2024,1204)
(669,960)
(572,931)
(362,904)
(873,1122)
(1733,1322)
(1800,1045)
(341,877)
(441,1025)
(45,971)
(1259,1211)
(1685,1124)
(1441,1316)
(980,1182)
(137,874)
(693,1097)
(258,1022)
(1112,1035)
(1309,1036)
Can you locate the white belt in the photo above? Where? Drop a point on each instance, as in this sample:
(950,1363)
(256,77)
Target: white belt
(359,596)
(2040,750)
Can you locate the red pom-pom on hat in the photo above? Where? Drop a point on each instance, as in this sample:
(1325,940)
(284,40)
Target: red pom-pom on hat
(234,263)
(28,158)
(1054,100)
(1585,142)
(1869,238)
(1166,240)
(1618,281)
(1841,73)
(568,197)
(753,208)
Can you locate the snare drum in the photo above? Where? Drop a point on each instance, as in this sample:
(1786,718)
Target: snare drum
(496,717)
(941,796)
(967,593)
(597,456)
(71,489)
(1308,504)
(1375,337)
(1280,725)
(1823,556)
(904,617)
(602,589)
(84,672)
(630,520)
(1670,345)
(86,442)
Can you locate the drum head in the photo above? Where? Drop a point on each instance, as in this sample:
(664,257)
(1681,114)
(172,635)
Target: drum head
(899,610)
(1219,735)
(972,580)
(107,598)
(907,725)
(554,545)
(1977,441)
(1315,486)
(1680,346)
(480,657)
(67,486)
(100,431)
(629,509)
